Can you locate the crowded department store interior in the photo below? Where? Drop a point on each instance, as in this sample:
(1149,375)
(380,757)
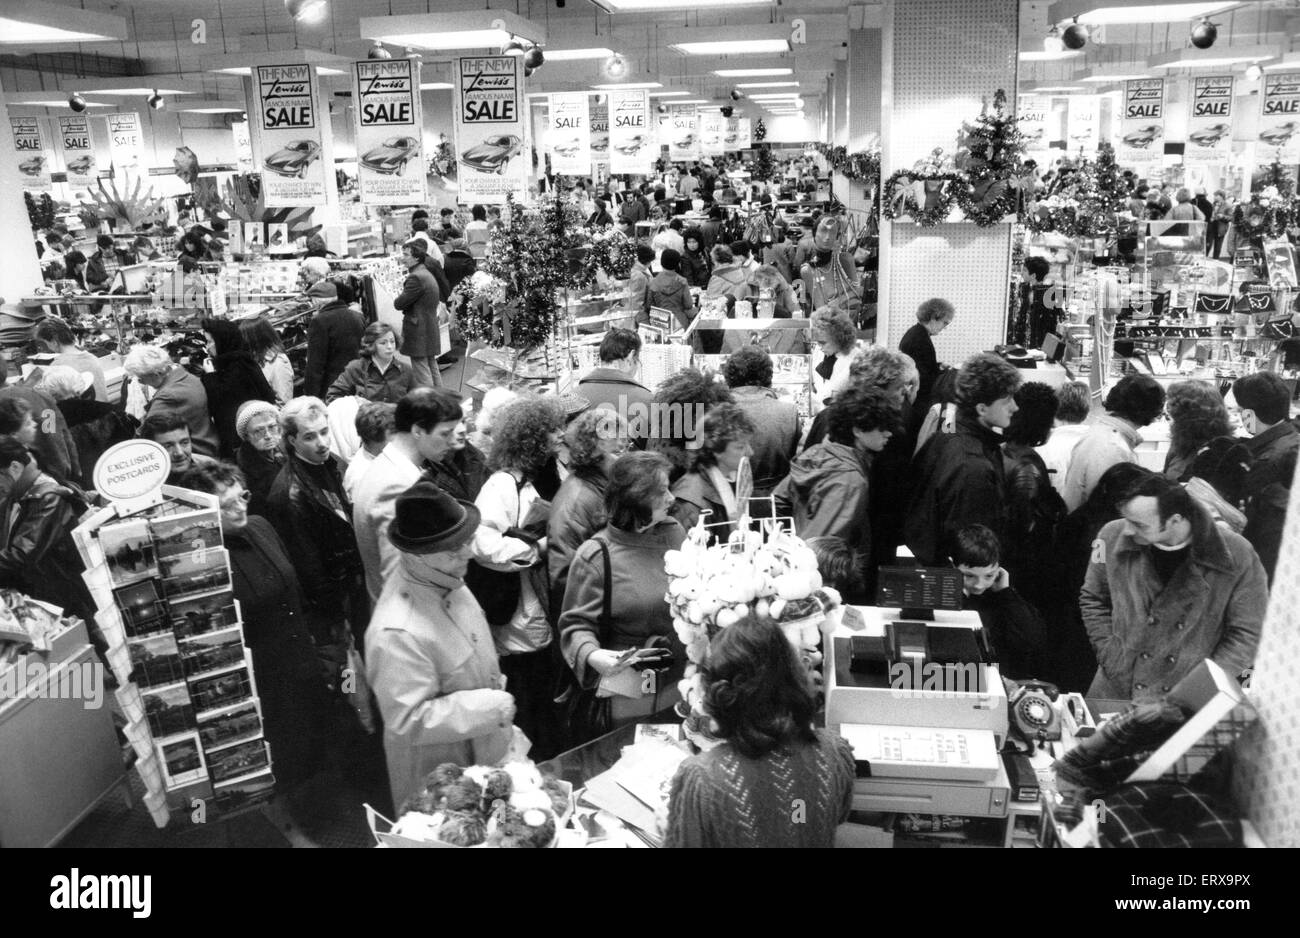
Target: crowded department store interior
(688,423)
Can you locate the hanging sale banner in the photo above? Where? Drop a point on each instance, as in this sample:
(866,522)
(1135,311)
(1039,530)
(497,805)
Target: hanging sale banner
(1032,111)
(78,150)
(390,158)
(683,132)
(243,147)
(1083,124)
(126,141)
(568,134)
(739,134)
(712,130)
(490,128)
(1209,126)
(631,143)
(289,127)
(1279,117)
(33,157)
(1142,122)
(600,130)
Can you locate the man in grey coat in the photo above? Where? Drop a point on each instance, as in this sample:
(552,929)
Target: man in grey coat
(419,302)
(1166,588)
(749,375)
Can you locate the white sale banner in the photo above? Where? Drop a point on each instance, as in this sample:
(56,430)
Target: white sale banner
(126,141)
(600,130)
(1279,116)
(568,134)
(288,128)
(33,157)
(738,135)
(631,143)
(490,162)
(78,150)
(1142,123)
(1209,126)
(683,133)
(389,125)
(712,130)
(1083,124)
(1032,111)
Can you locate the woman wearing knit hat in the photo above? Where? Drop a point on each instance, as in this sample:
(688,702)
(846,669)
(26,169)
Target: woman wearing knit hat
(260,455)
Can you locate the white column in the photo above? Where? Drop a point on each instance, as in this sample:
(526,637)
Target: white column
(22,269)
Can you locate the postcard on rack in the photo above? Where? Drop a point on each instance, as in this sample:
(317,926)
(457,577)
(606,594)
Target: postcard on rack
(221,690)
(238,760)
(193,532)
(168,709)
(198,615)
(241,792)
(215,651)
(141,607)
(233,726)
(155,660)
(200,571)
(182,760)
(128,551)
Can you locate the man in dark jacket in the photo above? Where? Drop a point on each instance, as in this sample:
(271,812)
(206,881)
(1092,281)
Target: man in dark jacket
(462,471)
(614,385)
(333,338)
(37,514)
(669,290)
(459,263)
(103,264)
(1265,402)
(959,476)
(1166,588)
(749,375)
(309,509)
(418,302)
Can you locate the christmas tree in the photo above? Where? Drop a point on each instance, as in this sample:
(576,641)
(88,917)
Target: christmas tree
(991,153)
(1101,193)
(1278,176)
(760,130)
(762,170)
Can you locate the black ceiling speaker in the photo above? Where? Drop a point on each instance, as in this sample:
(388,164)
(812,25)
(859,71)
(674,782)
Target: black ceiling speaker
(1204,33)
(1075,35)
(533,58)
(76,102)
(727,111)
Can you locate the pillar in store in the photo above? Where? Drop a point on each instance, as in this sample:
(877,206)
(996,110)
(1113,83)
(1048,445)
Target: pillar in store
(17,245)
(840,89)
(863,100)
(939,61)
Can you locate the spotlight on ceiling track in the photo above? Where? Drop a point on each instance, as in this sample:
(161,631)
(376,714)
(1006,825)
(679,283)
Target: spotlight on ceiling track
(528,72)
(1053,42)
(156,101)
(1254,72)
(736,95)
(513,47)
(377,51)
(533,58)
(76,102)
(615,67)
(1075,36)
(307,11)
(412,53)
(727,111)
(1204,33)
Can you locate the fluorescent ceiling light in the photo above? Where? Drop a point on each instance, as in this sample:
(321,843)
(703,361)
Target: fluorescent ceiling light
(1219,58)
(669,94)
(436,86)
(469,39)
(629,6)
(576,55)
(469,29)
(130,92)
(213,110)
(774,95)
(326,70)
(61,102)
(27,22)
(694,101)
(1049,56)
(1096,78)
(768,84)
(733,47)
(629,85)
(1060,89)
(753,72)
(1137,13)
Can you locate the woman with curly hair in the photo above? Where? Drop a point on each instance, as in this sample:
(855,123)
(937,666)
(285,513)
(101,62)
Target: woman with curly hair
(1197,415)
(676,411)
(737,794)
(595,440)
(511,539)
(717,484)
(375,374)
(836,336)
(264,345)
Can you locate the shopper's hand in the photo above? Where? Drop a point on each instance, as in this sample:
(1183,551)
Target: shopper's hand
(1002,581)
(603,661)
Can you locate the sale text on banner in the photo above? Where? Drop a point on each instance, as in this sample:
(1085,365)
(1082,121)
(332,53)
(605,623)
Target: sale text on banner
(1142,124)
(1033,112)
(1209,125)
(683,132)
(568,134)
(491,162)
(78,150)
(390,157)
(1083,124)
(289,125)
(600,131)
(739,134)
(632,145)
(711,133)
(126,141)
(33,157)
(1279,117)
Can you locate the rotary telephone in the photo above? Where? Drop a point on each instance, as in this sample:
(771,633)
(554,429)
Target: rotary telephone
(1033,716)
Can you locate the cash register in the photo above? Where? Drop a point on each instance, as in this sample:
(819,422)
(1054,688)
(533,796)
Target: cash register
(915,690)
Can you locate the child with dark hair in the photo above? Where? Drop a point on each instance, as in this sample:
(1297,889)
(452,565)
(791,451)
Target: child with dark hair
(840,567)
(1016,631)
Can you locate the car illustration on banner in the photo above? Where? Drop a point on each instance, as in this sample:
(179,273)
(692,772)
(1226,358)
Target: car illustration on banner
(1280,135)
(294,159)
(1034,137)
(391,156)
(600,144)
(684,142)
(32,167)
(492,155)
(1209,136)
(730,139)
(632,146)
(1143,137)
(81,166)
(568,148)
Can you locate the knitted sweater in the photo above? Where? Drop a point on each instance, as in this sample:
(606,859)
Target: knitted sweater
(795,796)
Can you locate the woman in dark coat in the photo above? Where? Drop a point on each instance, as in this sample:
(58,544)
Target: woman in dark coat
(696,267)
(261,453)
(236,378)
(294,696)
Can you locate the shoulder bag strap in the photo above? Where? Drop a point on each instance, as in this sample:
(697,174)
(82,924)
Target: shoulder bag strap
(607,603)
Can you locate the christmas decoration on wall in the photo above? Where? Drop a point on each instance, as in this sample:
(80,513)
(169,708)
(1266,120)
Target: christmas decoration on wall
(991,155)
(760,130)
(1267,215)
(1087,200)
(926,193)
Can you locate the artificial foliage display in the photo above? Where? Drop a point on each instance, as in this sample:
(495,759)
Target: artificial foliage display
(127,209)
(926,193)
(610,252)
(1087,200)
(1278,177)
(990,156)
(40,210)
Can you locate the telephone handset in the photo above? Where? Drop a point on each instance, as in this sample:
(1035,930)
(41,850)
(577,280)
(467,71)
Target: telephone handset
(1033,715)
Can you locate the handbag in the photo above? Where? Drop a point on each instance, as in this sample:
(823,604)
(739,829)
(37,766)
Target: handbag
(497,591)
(586,716)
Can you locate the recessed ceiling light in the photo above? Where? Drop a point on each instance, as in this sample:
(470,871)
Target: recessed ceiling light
(436,86)
(130,92)
(468,39)
(576,55)
(628,6)
(26,22)
(1048,56)
(752,72)
(768,84)
(326,70)
(733,47)
(1148,13)
(629,85)
(669,94)
(1056,88)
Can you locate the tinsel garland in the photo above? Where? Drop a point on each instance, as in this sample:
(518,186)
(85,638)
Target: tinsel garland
(991,152)
(892,207)
(1277,219)
(610,251)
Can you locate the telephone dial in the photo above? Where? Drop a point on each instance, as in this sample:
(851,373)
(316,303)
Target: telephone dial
(1033,714)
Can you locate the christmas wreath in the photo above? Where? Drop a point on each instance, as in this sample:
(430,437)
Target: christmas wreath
(610,251)
(925,193)
(991,153)
(1275,218)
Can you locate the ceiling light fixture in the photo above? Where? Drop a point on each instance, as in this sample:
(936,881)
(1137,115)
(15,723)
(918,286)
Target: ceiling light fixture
(534,58)
(768,84)
(578,55)
(1204,33)
(156,101)
(733,47)
(306,11)
(513,47)
(76,102)
(752,72)
(631,86)
(665,94)
(1075,35)
(615,66)
(1052,42)
(467,29)
(1139,13)
(1034,56)
(25,22)
(1254,72)
(435,86)
(648,6)
(377,51)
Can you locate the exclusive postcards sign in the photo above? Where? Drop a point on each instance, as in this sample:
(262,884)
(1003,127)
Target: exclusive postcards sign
(1142,123)
(125,141)
(33,157)
(390,160)
(684,133)
(568,134)
(1209,126)
(78,150)
(289,125)
(1279,117)
(631,141)
(490,128)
